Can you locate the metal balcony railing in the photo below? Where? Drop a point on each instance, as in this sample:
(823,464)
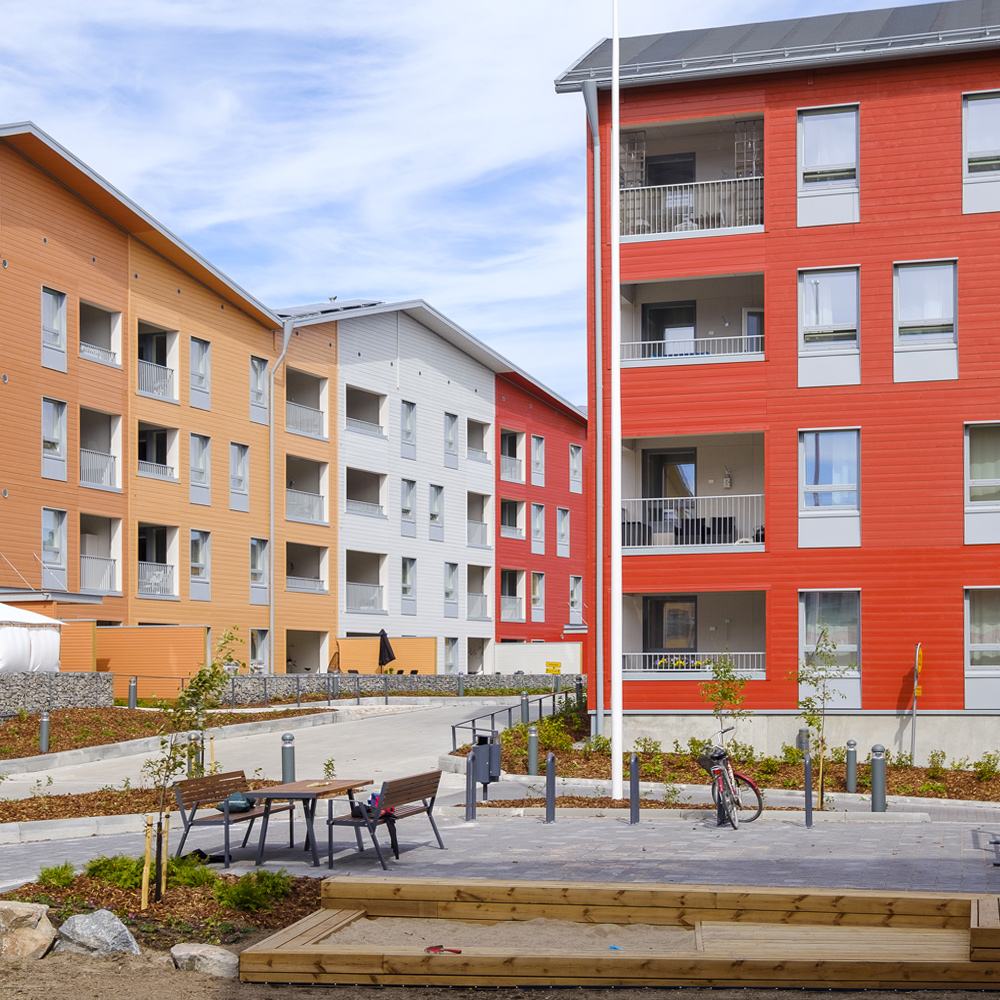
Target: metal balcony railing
(477,454)
(688,662)
(510,469)
(478,606)
(357,424)
(305,584)
(304,419)
(510,609)
(98,573)
(707,521)
(687,208)
(692,347)
(156,470)
(156,579)
(364,507)
(510,531)
(363,596)
(97,468)
(100,354)
(155,380)
(478,534)
(301,506)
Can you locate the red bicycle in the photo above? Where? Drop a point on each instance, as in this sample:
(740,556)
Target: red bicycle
(740,797)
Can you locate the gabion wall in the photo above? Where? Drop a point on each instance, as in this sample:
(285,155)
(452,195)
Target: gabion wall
(44,692)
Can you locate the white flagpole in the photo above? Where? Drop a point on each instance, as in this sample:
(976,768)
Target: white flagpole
(615,437)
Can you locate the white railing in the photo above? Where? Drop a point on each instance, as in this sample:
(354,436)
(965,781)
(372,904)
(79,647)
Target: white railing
(477,533)
(745,663)
(478,606)
(156,579)
(706,521)
(199,475)
(510,531)
(356,424)
(364,597)
(98,573)
(363,507)
(477,454)
(101,354)
(306,584)
(155,380)
(510,609)
(687,208)
(304,419)
(510,469)
(697,347)
(97,468)
(303,506)
(156,470)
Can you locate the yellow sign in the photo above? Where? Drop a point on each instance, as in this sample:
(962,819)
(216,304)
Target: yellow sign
(920,658)
(553,668)
(918,691)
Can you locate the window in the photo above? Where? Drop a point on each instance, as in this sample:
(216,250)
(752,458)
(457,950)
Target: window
(829,463)
(258,390)
(510,511)
(562,531)
(828,147)
(437,513)
(511,590)
(537,460)
(828,310)
(450,646)
(670,624)
(984,629)
(239,477)
(538,597)
(53,329)
(200,566)
(408,586)
(53,439)
(838,611)
(538,529)
(753,330)
(201,469)
(983,480)
(925,304)
(575,468)
(53,548)
(451,590)
(982,134)
(258,571)
(407,508)
(408,430)
(511,450)
(576,600)
(668,329)
(451,441)
(258,650)
(200,374)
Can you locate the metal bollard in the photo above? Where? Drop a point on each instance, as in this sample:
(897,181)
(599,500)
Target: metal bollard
(328,678)
(802,741)
(470,787)
(852,765)
(633,790)
(287,758)
(336,687)
(524,708)
(232,691)
(298,691)
(550,788)
(264,679)
(532,751)
(461,685)
(357,689)
(579,691)
(133,692)
(558,683)
(385,688)
(43,733)
(878,778)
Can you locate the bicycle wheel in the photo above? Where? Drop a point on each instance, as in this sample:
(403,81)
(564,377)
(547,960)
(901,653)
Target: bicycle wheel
(750,803)
(728,800)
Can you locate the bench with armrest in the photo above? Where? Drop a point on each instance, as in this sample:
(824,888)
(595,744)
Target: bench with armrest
(405,797)
(212,790)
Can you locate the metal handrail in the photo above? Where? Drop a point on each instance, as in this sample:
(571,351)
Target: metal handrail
(509,712)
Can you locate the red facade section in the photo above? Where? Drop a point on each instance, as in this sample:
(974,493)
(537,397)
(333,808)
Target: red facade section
(521,415)
(913,567)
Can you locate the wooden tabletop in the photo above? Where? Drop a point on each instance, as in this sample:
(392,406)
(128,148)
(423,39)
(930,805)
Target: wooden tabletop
(310,788)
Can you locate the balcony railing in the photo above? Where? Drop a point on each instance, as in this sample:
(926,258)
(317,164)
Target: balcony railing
(478,534)
(692,347)
(301,506)
(156,470)
(510,609)
(510,469)
(97,468)
(648,663)
(304,419)
(155,380)
(98,573)
(305,584)
(100,354)
(478,606)
(156,579)
(510,531)
(687,208)
(703,521)
(366,426)
(364,507)
(477,454)
(364,597)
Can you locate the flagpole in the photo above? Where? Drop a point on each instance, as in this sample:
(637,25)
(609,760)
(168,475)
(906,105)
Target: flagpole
(615,437)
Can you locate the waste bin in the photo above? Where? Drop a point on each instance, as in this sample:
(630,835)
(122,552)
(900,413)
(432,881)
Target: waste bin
(487,759)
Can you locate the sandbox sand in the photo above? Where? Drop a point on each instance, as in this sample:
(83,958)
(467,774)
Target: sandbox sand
(514,936)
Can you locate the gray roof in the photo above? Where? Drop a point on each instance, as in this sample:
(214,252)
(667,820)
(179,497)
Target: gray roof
(829,39)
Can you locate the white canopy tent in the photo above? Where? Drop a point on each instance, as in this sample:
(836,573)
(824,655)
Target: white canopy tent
(29,642)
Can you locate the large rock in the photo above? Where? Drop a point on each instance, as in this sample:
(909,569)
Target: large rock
(25,931)
(97,933)
(207,958)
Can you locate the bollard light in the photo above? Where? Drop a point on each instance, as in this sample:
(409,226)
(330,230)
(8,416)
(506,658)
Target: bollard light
(852,765)
(287,758)
(878,778)
(633,789)
(550,788)
(133,692)
(43,733)
(532,751)
(524,708)
(802,741)
(461,685)
(579,692)
(470,787)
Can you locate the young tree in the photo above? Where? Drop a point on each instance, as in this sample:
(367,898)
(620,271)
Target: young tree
(724,692)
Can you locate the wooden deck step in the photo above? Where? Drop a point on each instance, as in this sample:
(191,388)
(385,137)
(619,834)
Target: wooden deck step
(311,931)
(984,929)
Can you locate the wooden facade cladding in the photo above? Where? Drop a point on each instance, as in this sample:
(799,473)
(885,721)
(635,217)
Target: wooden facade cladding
(912,567)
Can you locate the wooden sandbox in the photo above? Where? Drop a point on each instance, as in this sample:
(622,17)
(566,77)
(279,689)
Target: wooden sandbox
(738,937)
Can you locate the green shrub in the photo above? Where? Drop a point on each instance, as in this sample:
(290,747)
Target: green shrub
(597,744)
(552,734)
(57,876)
(961,764)
(987,767)
(769,765)
(696,746)
(933,788)
(254,891)
(791,755)
(935,763)
(899,759)
(743,752)
(646,744)
(189,871)
(119,870)
(838,755)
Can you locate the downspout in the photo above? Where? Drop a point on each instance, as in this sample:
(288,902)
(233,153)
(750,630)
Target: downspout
(590,101)
(286,328)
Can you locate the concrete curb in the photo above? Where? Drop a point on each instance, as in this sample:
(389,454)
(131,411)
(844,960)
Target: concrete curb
(699,815)
(70,829)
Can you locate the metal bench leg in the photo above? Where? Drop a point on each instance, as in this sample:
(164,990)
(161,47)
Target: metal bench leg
(249,831)
(435,829)
(378,850)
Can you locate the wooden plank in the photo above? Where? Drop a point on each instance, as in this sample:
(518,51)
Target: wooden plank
(312,928)
(984,954)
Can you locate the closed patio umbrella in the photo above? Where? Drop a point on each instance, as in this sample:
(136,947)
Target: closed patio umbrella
(385,653)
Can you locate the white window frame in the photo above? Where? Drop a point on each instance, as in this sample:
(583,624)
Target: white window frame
(562,531)
(537,596)
(436,504)
(259,643)
(814,338)
(450,648)
(408,577)
(451,440)
(813,489)
(987,482)
(239,475)
(53,321)
(53,433)
(990,669)
(538,529)
(576,600)
(201,364)
(57,530)
(576,468)
(201,570)
(200,459)
(258,561)
(846,174)
(922,340)
(806,648)
(537,460)
(408,500)
(451,581)
(990,157)
(258,389)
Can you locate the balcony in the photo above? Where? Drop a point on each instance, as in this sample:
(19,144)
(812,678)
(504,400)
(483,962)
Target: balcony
(511,609)
(305,584)
(301,506)
(156,579)
(303,419)
(364,597)
(704,208)
(98,574)
(707,522)
(100,334)
(700,348)
(155,380)
(365,492)
(93,352)
(511,469)
(305,404)
(751,664)
(156,470)
(365,411)
(98,469)
(478,606)
(511,531)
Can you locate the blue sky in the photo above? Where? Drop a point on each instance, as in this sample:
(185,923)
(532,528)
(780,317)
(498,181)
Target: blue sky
(323,147)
